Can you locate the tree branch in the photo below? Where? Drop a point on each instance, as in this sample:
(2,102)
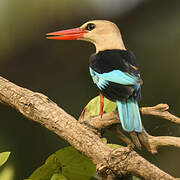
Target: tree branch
(153,142)
(41,109)
(160,110)
(150,142)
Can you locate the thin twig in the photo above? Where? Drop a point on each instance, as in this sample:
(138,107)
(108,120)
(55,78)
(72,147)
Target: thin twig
(160,110)
(116,130)
(152,143)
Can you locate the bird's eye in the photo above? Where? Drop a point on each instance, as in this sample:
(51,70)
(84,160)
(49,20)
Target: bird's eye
(90,26)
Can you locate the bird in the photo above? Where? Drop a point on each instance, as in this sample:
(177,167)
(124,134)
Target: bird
(112,67)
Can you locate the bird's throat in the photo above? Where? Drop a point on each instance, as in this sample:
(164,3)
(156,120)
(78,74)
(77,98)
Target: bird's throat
(108,45)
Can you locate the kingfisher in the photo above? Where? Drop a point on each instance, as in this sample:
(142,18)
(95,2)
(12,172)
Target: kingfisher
(113,68)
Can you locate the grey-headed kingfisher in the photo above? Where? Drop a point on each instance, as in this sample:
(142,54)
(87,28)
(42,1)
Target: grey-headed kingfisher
(113,68)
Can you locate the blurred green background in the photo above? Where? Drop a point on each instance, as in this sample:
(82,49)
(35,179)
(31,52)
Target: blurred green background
(59,69)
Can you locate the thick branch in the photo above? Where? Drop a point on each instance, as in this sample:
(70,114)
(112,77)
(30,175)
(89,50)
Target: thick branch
(41,109)
(119,157)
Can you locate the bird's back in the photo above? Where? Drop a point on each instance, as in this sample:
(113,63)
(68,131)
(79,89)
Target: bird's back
(116,63)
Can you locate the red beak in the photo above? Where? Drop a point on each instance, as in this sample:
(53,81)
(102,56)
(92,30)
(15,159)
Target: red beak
(69,34)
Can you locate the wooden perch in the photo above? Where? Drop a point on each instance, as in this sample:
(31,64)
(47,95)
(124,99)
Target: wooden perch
(109,161)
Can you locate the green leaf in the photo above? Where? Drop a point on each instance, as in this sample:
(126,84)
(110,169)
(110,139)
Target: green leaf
(58,177)
(104,140)
(115,146)
(45,172)
(75,166)
(93,107)
(67,162)
(109,106)
(7,173)
(4,157)
(135,178)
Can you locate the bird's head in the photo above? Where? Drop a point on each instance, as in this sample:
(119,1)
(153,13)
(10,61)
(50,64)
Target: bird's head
(103,34)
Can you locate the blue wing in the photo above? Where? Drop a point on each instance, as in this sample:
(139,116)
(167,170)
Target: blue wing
(115,76)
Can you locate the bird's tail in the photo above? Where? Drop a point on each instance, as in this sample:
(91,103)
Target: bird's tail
(129,115)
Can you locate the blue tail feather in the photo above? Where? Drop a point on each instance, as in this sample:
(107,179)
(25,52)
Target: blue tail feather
(129,115)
